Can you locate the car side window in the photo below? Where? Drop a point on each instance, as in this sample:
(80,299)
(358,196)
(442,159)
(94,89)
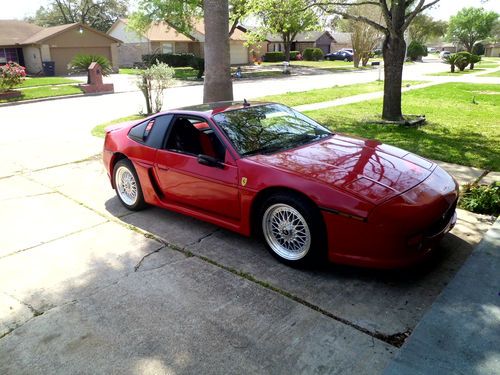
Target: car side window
(194,136)
(151,132)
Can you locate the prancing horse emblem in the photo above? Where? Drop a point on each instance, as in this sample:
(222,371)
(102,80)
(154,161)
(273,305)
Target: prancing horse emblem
(243,181)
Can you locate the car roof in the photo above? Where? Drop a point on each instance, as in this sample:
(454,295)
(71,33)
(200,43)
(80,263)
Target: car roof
(214,108)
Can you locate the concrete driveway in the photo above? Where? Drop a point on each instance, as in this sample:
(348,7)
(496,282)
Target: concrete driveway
(88,287)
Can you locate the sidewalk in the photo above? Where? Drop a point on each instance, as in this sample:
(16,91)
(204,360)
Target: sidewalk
(460,334)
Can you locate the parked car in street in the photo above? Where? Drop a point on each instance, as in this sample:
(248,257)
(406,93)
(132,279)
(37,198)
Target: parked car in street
(339,55)
(444,54)
(265,169)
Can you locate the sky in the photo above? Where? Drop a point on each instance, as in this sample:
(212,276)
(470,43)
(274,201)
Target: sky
(21,8)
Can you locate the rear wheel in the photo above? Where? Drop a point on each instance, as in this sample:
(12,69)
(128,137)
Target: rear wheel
(292,229)
(128,188)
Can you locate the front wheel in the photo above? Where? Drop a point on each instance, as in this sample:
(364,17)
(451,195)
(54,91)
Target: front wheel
(292,229)
(128,188)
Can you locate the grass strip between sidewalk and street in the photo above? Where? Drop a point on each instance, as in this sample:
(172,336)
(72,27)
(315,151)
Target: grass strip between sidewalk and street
(44,92)
(99,130)
(331,93)
(462,123)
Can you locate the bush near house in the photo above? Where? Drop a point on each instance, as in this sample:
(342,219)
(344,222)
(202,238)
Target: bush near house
(416,50)
(11,74)
(313,54)
(293,55)
(174,60)
(274,56)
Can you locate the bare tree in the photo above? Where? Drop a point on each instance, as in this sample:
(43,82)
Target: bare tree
(397,15)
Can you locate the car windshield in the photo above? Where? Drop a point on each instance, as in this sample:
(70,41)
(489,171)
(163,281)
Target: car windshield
(268,128)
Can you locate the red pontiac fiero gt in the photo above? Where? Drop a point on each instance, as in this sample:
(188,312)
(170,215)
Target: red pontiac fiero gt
(267,169)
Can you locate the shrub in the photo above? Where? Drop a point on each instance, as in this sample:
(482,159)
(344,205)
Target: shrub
(274,56)
(198,64)
(416,50)
(81,63)
(313,54)
(482,199)
(11,74)
(462,64)
(454,59)
(473,60)
(478,49)
(152,82)
(172,59)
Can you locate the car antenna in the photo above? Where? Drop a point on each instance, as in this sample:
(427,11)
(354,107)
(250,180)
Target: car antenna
(245,103)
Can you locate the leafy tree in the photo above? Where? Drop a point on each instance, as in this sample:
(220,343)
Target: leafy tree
(153,81)
(423,28)
(397,16)
(285,18)
(471,25)
(99,14)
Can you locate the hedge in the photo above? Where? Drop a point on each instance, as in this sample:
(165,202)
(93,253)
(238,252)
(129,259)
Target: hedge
(274,56)
(172,59)
(313,54)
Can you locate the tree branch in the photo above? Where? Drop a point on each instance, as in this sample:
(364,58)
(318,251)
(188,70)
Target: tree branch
(419,9)
(374,24)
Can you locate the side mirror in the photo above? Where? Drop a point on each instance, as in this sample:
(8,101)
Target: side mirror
(210,161)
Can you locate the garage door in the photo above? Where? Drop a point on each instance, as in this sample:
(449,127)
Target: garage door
(62,56)
(239,53)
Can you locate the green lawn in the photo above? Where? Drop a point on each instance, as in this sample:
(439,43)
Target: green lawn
(462,123)
(45,81)
(185,73)
(98,131)
(492,74)
(45,92)
(457,72)
(322,95)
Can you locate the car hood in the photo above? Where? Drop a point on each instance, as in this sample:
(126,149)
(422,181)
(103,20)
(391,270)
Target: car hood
(365,168)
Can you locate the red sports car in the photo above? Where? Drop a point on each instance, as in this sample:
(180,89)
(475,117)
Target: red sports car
(267,169)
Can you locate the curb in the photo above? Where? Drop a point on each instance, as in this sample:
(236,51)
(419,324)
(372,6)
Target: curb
(20,102)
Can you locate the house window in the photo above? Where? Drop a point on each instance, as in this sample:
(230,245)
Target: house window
(8,54)
(167,48)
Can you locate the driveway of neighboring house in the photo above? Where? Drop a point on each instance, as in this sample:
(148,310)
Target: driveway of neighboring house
(88,287)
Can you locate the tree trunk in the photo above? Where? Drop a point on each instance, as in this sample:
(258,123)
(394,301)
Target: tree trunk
(356,58)
(288,47)
(218,85)
(394,53)
(452,68)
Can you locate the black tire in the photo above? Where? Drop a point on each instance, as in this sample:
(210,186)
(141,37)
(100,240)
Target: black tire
(138,203)
(316,251)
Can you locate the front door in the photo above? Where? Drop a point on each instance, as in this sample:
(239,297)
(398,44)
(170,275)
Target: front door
(184,181)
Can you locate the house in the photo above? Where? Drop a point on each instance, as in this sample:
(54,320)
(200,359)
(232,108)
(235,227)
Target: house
(161,37)
(492,50)
(31,45)
(325,40)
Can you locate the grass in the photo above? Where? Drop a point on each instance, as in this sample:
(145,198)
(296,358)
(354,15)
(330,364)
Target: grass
(457,72)
(45,92)
(45,81)
(468,136)
(331,93)
(99,130)
(492,74)
(184,73)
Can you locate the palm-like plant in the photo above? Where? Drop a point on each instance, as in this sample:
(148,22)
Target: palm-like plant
(473,60)
(81,63)
(454,60)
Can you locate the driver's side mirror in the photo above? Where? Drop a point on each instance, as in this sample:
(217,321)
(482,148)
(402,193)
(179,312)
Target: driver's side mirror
(210,161)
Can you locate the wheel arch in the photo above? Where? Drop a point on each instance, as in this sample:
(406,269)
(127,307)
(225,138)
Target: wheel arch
(117,156)
(266,193)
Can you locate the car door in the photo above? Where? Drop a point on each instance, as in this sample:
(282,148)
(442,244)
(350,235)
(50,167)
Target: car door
(187,179)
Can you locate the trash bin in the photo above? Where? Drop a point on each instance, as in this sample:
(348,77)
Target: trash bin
(49,68)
